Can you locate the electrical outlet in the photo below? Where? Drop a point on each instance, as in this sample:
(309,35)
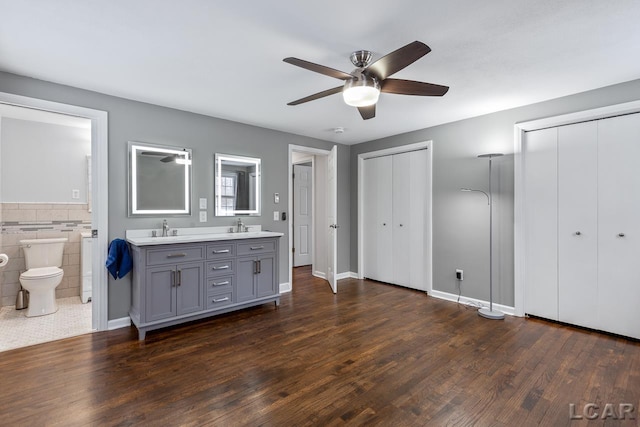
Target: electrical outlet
(203,203)
(75,194)
(203,216)
(459,274)
(276,216)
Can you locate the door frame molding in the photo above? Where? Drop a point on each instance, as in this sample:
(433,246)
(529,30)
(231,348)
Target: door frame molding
(287,287)
(519,168)
(428,211)
(99,197)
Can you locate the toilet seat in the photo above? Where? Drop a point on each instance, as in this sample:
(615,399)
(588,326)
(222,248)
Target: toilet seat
(41,273)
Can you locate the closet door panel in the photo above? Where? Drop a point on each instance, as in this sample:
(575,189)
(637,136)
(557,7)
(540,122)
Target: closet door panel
(370,219)
(578,224)
(402,227)
(541,219)
(417,216)
(619,225)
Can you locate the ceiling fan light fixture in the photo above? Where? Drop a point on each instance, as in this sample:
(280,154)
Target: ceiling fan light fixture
(362,92)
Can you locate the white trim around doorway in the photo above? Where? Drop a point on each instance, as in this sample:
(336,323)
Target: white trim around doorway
(100,192)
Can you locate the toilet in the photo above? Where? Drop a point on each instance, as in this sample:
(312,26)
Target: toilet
(43,259)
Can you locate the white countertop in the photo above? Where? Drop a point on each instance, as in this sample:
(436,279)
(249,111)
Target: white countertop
(194,235)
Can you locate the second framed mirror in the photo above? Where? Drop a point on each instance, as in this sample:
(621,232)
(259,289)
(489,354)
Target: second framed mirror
(237,185)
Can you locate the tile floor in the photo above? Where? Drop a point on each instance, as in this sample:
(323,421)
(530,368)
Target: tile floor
(16,330)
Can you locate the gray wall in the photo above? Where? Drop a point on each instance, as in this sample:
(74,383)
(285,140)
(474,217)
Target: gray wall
(34,150)
(130,120)
(460,220)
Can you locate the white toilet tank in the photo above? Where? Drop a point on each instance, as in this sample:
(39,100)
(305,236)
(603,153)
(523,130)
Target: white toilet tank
(43,252)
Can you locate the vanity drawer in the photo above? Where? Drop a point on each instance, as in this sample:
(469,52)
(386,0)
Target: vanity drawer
(174,255)
(220,300)
(222,250)
(219,285)
(256,247)
(221,268)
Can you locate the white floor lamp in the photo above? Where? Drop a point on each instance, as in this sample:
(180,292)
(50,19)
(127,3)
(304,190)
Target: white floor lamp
(489,313)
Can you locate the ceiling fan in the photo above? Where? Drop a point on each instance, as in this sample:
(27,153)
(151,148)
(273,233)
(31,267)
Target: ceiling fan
(363,85)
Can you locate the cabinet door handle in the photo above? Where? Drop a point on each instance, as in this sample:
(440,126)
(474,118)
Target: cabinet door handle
(223,251)
(173,278)
(179,277)
(259,266)
(222,267)
(226,282)
(255,267)
(180,255)
(221,299)
(620,234)
(255,248)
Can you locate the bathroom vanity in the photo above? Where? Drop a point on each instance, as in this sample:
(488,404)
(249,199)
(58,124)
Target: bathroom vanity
(200,273)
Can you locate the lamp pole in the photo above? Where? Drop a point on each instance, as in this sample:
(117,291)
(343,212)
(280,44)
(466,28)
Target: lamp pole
(489,313)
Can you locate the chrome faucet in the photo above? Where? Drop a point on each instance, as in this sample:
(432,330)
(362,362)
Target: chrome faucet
(240,226)
(165,228)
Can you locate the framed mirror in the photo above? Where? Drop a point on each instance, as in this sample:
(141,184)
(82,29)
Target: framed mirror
(237,185)
(159,180)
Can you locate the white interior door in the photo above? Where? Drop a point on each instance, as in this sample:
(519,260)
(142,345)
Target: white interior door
(302,212)
(332,217)
(578,224)
(619,225)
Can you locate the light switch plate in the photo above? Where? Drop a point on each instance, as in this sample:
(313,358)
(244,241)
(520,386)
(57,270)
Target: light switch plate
(203,215)
(203,203)
(75,194)
(276,216)
(276,197)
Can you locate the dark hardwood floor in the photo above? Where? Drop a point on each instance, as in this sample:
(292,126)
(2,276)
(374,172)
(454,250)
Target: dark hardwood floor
(373,354)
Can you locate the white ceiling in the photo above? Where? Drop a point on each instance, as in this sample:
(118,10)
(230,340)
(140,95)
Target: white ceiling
(224,59)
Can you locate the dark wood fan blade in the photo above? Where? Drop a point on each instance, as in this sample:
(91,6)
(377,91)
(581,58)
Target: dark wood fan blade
(368,112)
(319,68)
(397,60)
(409,87)
(317,95)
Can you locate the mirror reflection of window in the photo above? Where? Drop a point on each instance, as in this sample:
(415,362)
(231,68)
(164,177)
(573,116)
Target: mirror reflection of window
(237,185)
(228,189)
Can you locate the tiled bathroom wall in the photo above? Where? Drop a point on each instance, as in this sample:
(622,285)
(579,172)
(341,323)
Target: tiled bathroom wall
(39,221)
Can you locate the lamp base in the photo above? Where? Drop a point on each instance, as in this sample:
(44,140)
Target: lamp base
(491,314)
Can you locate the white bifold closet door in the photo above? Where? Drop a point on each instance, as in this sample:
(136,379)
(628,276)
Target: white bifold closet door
(619,224)
(394,218)
(582,216)
(578,224)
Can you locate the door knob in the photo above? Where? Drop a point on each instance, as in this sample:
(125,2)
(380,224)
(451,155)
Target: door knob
(578,233)
(620,234)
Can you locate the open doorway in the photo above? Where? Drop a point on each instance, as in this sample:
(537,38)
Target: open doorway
(312,229)
(39,201)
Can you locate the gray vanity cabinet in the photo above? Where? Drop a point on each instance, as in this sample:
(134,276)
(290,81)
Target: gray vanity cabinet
(176,283)
(256,269)
(173,290)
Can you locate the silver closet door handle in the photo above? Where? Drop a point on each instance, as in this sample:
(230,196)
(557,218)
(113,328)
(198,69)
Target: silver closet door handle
(578,233)
(620,234)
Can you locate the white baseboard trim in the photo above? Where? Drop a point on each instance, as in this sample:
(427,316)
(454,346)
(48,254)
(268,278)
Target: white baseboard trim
(346,275)
(285,287)
(319,274)
(466,300)
(123,322)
